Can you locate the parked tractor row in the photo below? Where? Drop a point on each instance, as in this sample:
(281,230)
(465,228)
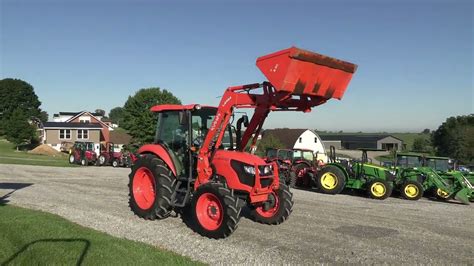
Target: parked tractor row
(83,153)
(411,175)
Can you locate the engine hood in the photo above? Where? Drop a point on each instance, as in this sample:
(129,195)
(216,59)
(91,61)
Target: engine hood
(223,155)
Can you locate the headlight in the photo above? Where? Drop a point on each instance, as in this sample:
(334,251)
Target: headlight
(249,169)
(267,170)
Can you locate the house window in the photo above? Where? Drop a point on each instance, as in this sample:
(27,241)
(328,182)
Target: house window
(64,134)
(84,121)
(82,134)
(315,140)
(300,140)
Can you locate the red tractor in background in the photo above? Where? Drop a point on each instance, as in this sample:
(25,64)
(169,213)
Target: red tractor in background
(108,156)
(82,153)
(188,170)
(297,167)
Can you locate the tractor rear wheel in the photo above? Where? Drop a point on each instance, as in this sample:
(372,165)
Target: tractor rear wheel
(279,209)
(215,210)
(331,180)
(150,188)
(411,190)
(379,189)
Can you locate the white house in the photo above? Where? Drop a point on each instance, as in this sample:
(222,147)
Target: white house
(299,139)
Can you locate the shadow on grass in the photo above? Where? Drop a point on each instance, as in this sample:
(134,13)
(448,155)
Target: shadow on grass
(83,254)
(14,186)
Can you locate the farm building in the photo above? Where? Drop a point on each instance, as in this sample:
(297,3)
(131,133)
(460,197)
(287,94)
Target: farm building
(299,139)
(357,141)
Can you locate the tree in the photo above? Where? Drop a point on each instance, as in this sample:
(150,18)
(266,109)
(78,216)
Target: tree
(18,130)
(420,144)
(455,138)
(18,96)
(267,142)
(100,112)
(116,115)
(137,117)
(426,131)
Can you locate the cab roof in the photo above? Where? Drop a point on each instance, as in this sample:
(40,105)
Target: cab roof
(177,107)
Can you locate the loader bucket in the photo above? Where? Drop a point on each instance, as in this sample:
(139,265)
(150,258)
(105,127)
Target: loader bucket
(463,195)
(302,72)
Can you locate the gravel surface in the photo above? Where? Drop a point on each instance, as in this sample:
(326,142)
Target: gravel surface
(321,229)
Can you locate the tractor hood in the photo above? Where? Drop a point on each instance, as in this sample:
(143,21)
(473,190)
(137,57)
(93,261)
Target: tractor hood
(227,156)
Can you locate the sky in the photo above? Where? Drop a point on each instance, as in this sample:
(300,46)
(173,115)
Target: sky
(415,58)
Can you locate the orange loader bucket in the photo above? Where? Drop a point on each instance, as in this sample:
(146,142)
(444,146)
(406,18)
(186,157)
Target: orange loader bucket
(302,72)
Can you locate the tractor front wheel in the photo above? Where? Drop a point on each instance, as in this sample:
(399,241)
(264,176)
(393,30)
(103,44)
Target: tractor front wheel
(102,160)
(331,180)
(84,162)
(215,210)
(279,208)
(72,159)
(379,189)
(411,190)
(150,188)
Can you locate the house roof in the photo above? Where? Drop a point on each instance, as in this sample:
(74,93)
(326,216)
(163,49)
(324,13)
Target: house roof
(287,136)
(74,113)
(85,112)
(356,137)
(120,137)
(60,125)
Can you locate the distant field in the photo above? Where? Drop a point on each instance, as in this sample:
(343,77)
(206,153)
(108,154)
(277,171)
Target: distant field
(8,155)
(409,138)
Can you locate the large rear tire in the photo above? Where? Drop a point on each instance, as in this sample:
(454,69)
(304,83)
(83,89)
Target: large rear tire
(215,211)
(411,190)
(279,209)
(331,180)
(379,189)
(150,188)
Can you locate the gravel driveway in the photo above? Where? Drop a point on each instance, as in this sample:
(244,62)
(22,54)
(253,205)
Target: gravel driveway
(322,228)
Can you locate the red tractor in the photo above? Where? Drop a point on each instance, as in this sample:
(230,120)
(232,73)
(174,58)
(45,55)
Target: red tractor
(187,169)
(82,153)
(297,167)
(108,156)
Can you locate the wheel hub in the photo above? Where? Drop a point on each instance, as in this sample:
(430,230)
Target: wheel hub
(329,181)
(378,189)
(411,191)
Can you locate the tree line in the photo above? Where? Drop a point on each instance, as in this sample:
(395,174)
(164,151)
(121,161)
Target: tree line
(20,108)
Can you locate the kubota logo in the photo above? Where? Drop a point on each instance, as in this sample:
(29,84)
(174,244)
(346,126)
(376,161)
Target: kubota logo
(275,68)
(214,123)
(226,101)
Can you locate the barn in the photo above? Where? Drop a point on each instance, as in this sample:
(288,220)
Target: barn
(358,141)
(299,139)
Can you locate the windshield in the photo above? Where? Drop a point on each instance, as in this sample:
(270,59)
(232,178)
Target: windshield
(409,161)
(438,164)
(201,122)
(303,155)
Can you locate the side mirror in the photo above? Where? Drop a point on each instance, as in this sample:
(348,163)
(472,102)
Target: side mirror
(183,118)
(245,120)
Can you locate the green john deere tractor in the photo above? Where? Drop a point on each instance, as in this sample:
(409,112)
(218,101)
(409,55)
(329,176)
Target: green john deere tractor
(417,174)
(355,174)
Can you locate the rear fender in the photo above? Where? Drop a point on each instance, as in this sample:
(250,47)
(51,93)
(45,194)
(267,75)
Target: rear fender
(160,152)
(343,169)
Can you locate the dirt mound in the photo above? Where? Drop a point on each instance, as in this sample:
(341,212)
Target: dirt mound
(45,150)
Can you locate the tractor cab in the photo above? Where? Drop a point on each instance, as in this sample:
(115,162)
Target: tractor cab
(409,160)
(300,155)
(440,164)
(283,155)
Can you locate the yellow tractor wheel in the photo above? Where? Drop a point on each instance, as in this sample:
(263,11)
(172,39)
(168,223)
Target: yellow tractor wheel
(411,190)
(379,189)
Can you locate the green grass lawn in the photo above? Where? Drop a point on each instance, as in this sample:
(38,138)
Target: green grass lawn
(9,155)
(31,237)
